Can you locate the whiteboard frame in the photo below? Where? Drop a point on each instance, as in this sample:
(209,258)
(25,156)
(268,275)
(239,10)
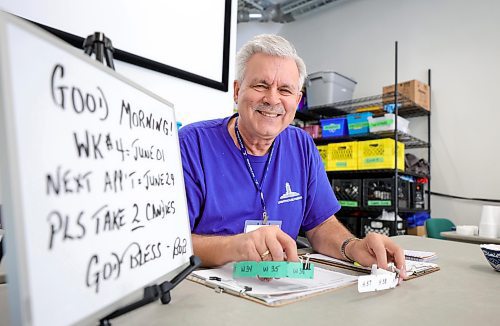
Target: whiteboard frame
(221,84)
(13,217)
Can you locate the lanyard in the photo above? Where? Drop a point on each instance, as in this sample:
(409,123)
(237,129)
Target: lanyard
(258,185)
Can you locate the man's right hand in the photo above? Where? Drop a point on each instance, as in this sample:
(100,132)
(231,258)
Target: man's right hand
(265,243)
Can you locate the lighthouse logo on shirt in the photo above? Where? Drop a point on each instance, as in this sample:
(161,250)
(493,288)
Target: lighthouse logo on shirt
(289,195)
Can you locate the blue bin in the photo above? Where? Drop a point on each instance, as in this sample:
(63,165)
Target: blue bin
(358,123)
(336,127)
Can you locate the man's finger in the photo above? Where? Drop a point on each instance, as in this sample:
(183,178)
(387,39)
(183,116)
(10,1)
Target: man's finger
(399,260)
(289,246)
(275,247)
(378,248)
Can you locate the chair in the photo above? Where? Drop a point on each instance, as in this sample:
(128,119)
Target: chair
(434,226)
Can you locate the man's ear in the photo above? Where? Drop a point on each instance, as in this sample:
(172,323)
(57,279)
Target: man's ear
(236,88)
(299,97)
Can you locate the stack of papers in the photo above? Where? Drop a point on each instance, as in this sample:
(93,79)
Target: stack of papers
(420,255)
(275,291)
(413,268)
(418,268)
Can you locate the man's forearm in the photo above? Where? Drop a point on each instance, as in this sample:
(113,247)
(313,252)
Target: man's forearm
(327,237)
(213,250)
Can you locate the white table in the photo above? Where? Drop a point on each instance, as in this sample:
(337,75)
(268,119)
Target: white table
(464,292)
(453,235)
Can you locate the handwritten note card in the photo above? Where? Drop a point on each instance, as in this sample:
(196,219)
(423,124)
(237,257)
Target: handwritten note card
(96,192)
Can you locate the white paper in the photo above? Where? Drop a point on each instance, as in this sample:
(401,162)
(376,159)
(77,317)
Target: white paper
(420,255)
(369,283)
(276,289)
(412,267)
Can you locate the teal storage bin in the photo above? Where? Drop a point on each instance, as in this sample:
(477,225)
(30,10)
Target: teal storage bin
(357,123)
(336,127)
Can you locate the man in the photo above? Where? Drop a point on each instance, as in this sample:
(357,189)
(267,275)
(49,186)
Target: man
(253,169)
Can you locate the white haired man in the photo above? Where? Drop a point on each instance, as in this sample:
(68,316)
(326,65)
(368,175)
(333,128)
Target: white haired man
(253,181)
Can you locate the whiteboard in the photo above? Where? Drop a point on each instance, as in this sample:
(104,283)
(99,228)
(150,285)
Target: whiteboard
(92,184)
(186,39)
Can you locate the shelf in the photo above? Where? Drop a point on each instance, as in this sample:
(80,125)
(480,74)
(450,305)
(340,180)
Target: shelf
(375,104)
(306,116)
(380,209)
(408,140)
(374,173)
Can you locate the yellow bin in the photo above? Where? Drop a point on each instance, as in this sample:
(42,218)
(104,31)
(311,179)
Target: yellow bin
(323,149)
(379,154)
(342,156)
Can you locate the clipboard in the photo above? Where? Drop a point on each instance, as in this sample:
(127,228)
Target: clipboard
(414,269)
(224,283)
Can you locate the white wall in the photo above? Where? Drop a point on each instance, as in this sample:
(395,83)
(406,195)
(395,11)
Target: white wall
(248,30)
(459,41)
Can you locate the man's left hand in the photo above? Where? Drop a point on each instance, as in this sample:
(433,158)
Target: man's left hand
(377,249)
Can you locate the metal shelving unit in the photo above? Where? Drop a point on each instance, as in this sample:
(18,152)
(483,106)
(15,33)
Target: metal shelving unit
(407,139)
(405,108)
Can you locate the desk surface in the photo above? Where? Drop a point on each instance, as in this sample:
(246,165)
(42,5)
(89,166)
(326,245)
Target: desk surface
(453,235)
(464,292)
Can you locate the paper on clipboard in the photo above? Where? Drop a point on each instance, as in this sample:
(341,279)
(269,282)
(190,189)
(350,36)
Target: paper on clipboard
(413,268)
(276,291)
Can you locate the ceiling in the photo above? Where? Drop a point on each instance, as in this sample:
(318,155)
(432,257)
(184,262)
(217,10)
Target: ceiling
(279,11)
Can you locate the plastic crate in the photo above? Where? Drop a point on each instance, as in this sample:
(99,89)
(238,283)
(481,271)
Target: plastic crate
(357,123)
(323,152)
(381,226)
(348,192)
(352,223)
(418,195)
(336,127)
(343,156)
(379,193)
(380,154)
(387,123)
(327,87)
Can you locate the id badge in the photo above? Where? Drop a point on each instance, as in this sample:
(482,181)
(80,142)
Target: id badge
(252,225)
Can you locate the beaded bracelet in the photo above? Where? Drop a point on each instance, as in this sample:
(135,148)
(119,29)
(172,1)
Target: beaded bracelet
(344,246)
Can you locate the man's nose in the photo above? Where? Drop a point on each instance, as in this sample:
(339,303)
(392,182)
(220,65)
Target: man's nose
(271,96)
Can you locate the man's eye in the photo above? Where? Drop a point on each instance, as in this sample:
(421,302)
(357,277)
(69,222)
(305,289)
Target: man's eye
(286,91)
(260,87)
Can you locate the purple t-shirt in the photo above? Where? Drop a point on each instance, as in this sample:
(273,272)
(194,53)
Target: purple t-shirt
(220,192)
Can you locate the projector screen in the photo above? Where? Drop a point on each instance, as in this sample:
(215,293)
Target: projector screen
(184,39)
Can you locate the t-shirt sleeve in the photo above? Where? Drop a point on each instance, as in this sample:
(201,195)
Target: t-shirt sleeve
(191,169)
(321,202)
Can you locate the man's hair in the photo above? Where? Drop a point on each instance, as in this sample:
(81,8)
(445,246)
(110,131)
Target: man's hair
(268,44)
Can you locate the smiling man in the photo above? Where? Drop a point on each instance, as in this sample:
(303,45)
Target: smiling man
(253,181)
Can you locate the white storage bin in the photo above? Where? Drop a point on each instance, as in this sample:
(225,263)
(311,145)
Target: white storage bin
(386,123)
(327,87)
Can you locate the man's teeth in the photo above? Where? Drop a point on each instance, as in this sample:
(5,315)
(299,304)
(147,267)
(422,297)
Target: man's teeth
(271,115)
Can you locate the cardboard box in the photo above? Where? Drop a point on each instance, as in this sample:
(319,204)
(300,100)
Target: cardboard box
(418,230)
(414,90)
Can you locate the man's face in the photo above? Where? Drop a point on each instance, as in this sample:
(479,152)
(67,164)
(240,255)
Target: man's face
(268,96)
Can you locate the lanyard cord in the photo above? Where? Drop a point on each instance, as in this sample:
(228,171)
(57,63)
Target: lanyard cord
(258,185)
